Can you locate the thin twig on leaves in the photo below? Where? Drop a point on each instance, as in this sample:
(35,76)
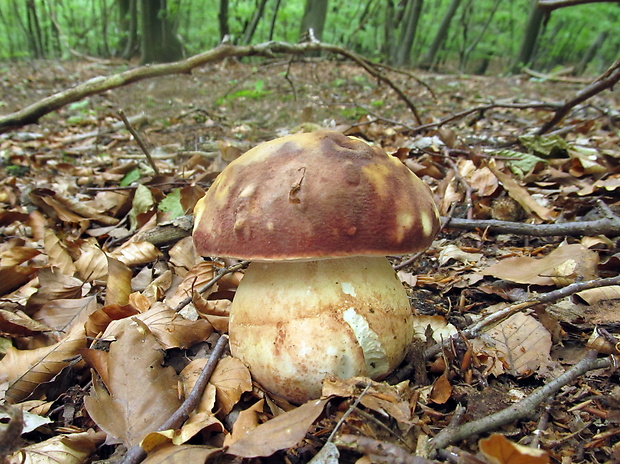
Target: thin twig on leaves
(523,409)
(139,141)
(136,454)
(221,273)
(604,226)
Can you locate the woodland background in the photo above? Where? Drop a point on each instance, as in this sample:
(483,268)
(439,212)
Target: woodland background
(450,35)
(509,111)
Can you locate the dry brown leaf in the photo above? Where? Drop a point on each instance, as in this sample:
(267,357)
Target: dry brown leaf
(61,313)
(392,400)
(100,319)
(596,295)
(57,254)
(172,330)
(17,255)
(54,285)
(520,195)
(231,379)
(561,267)
(523,344)
(73,448)
(135,253)
(141,393)
(442,390)
(183,256)
(119,283)
(183,454)
(27,369)
(156,289)
(452,251)
(499,450)
(19,324)
(13,277)
(92,263)
(279,433)
(246,422)
(483,181)
(49,203)
(195,279)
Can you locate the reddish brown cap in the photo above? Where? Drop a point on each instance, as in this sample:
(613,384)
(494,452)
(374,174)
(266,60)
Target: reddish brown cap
(312,196)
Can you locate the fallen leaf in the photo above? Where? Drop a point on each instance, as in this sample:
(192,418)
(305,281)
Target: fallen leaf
(57,254)
(119,283)
(499,450)
(562,266)
(442,390)
(182,454)
(245,423)
(74,448)
(523,344)
(141,393)
(279,433)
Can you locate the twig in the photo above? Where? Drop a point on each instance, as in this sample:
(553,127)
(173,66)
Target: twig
(489,106)
(605,226)
(348,412)
(139,140)
(498,316)
(136,454)
(523,409)
(221,273)
(605,81)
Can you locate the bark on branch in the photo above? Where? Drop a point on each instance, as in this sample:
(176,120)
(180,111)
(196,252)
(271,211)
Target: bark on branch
(32,113)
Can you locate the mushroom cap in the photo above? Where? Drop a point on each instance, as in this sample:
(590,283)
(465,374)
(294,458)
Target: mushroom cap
(312,196)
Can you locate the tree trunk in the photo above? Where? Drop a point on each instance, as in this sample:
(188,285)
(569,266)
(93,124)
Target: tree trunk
(530,38)
(407,33)
(222,19)
(159,43)
(251,29)
(35,36)
(442,33)
(272,26)
(591,53)
(315,13)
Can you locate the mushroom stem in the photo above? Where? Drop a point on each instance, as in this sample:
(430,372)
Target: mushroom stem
(296,322)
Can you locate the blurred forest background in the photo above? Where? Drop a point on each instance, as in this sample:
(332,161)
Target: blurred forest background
(466,36)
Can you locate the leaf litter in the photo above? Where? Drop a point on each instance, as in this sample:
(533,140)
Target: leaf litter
(91,343)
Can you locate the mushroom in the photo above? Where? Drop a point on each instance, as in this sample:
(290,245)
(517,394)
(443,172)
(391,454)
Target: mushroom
(317,213)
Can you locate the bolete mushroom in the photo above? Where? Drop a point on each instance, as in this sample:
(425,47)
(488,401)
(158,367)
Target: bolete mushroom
(317,214)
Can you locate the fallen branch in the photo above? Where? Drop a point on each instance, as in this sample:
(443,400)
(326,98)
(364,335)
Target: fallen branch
(32,113)
(605,81)
(521,410)
(604,226)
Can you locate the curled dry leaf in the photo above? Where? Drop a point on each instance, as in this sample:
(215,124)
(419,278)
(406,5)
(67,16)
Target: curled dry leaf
(54,285)
(141,393)
(247,420)
(281,432)
(442,390)
(100,319)
(57,254)
(437,326)
(13,277)
(92,263)
(73,448)
(119,283)
(497,449)
(135,253)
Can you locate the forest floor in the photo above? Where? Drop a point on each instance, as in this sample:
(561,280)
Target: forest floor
(78,197)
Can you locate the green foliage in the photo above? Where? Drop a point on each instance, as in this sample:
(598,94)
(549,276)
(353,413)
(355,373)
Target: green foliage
(131,177)
(480,36)
(171,204)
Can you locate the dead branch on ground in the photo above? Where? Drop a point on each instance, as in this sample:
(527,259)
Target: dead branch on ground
(521,410)
(32,113)
(605,81)
(604,226)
